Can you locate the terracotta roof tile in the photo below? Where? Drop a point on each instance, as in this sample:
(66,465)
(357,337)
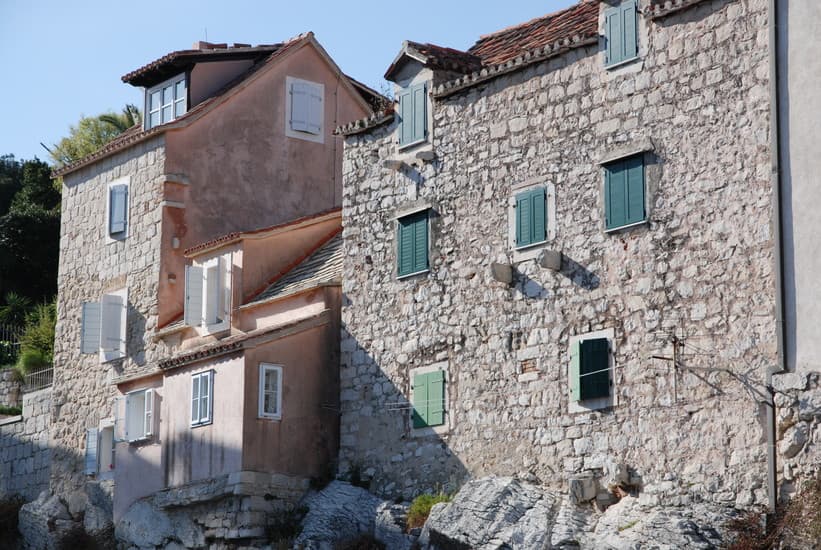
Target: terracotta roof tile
(449,59)
(581,20)
(659,8)
(175,62)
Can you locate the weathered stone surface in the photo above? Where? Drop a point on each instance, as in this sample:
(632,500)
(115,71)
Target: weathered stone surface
(490,513)
(144,525)
(794,440)
(25,454)
(389,526)
(339,511)
(42,521)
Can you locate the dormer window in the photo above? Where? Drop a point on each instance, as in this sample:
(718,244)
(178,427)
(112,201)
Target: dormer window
(165,102)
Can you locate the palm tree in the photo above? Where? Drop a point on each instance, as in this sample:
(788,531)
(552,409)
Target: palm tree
(121,122)
(15,311)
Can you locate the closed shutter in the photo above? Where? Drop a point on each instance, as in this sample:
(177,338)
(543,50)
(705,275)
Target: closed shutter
(149,413)
(315,109)
(436,398)
(117,209)
(420,245)
(523,219)
(412,238)
(628,25)
(595,365)
(575,371)
(537,203)
(613,35)
(193,296)
(135,416)
(634,182)
(420,112)
(92,445)
(624,192)
(420,401)
(299,106)
(405,117)
(112,340)
(614,196)
(90,331)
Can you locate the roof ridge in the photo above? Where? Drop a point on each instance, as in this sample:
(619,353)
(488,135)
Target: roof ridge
(531,21)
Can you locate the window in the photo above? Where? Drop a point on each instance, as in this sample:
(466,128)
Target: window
(207,294)
(530,217)
(103,326)
(620,33)
(166,102)
(428,399)
(99,457)
(117,210)
(624,192)
(413,114)
(412,244)
(202,397)
(139,415)
(305,109)
(589,369)
(270,391)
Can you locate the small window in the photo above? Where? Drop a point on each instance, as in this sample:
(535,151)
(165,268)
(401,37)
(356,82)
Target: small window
(589,369)
(620,33)
(429,399)
(624,192)
(166,102)
(139,415)
(208,294)
(412,244)
(306,109)
(530,217)
(202,397)
(117,210)
(413,115)
(270,391)
(103,328)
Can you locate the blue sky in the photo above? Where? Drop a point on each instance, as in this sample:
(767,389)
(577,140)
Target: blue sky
(62,59)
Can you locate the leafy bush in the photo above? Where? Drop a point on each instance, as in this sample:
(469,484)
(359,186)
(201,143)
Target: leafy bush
(8,353)
(11,411)
(32,360)
(37,341)
(9,510)
(420,508)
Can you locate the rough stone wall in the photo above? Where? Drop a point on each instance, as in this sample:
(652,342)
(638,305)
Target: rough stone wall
(25,456)
(10,393)
(89,267)
(701,266)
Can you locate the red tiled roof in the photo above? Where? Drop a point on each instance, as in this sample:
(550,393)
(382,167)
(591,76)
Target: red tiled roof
(581,20)
(436,57)
(175,62)
(230,237)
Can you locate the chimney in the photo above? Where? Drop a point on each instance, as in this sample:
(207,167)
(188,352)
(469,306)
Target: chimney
(202,45)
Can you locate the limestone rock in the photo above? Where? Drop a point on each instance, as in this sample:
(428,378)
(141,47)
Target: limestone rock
(809,405)
(794,440)
(389,526)
(338,512)
(492,513)
(97,520)
(143,525)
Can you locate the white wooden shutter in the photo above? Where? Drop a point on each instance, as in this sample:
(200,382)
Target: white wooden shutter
(149,413)
(90,331)
(117,208)
(213,294)
(315,109)
(193,295)
(92,441)
(299,106)
(135,416)
(112,339)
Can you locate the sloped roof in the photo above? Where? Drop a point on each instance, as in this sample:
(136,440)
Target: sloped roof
(434,57)
(174,63)
(499,47)
(322,267)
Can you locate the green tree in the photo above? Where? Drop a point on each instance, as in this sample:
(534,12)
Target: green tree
(37,341)
(14,311)
(91,133)
(129,117)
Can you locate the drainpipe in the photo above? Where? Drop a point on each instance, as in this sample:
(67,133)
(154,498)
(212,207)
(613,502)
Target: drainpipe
(775,181)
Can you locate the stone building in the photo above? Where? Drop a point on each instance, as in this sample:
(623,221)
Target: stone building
(559,258)
(234,138)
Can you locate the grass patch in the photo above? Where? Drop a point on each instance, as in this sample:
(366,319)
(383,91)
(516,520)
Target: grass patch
(420,508)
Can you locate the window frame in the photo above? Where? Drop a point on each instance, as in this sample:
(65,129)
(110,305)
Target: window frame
(209,418)
(595,403)
(618,10)
(447,417)
(264,369)
(607,173)
(520,195)
(410,90)
(88,308)
(172,83)
(224,265)
(148,414)
(119,236)
(399,247)
(319,137)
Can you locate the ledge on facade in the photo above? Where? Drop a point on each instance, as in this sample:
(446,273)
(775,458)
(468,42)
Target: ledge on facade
(11,420)
(244,483)
(173,327)
(642,145)
(135,376)
(660,8)
(365,124)
(528,58)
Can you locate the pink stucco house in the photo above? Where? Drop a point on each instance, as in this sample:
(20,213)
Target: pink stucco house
(234,138)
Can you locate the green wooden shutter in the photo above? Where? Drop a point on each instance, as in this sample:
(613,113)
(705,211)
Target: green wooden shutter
(615,198)
(628,25)
(524,221)
(405,117)
(537,203)
(412,243)
(613,35)
(574,380)
(405,247)
(594,365)
(634,183)
(420,112)
(420,401)
(436,398)
(420,245)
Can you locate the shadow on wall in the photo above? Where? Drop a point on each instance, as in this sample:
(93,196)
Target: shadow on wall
(380,449)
